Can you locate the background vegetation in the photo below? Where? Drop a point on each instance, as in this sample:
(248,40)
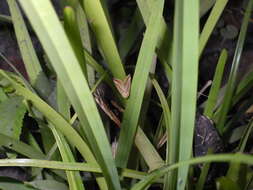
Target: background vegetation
(120,95)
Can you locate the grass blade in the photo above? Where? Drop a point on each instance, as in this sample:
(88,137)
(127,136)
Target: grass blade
(20,147)
(203,175)
(74,178)
(68,166)
(236,170)
(98,20)
(5,18)
(184,85)
(164,34)
(164,41)
(36,75)
(63,104)
(231,85)
(133,107)
(12,112)
(129,36)
(243,87)
(226,183)
(58,49)
(86,41)
(245,137)
(205,5)
(57,120)
(239,158)
(214,92)
(3,95)
(210,23)
(11,185)
(151,156)
(48,184)
(72,31)
(167,120)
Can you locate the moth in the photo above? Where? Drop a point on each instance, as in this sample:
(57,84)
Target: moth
(123,86)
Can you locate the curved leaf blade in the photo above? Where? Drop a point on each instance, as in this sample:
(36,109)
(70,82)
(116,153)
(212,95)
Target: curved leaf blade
(52,36)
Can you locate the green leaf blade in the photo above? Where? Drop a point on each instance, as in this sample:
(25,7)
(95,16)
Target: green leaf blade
(12,112)
(214,92)
(98,19)
(184,86)
(133,107)
(36,75)
(231,85)
(58,49)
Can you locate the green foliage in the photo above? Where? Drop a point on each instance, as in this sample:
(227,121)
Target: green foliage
(48,184)
(225,183)
(82,53)
(214,92)
(231,86)
(12,112)
(72,31)
(133,107)
(211,22)
(36,75)
(184,86)
(15,185)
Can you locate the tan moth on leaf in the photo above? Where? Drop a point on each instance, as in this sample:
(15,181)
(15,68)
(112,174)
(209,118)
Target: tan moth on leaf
(123,86)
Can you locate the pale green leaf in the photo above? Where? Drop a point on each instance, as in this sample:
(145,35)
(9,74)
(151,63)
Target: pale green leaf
(12,112)
(30,59)
(69,72)
(133,107)
(48,185)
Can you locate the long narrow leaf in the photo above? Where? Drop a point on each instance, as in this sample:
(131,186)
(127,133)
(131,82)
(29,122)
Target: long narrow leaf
(68,167)
(149,154)
(58,49)
(233,74)
(167,121)
(205,5)
(98,20)
(239,158)
(20,147)
(72,31)
(74,178)
(236,170)
(85,37)
(204,172)
(5,18)
(214,92)
(164,41)
(56,119)
(59,122)
(129,36)
(36,75)
(133,107)
(12,112)
(184,84)
(210,23)
(63,104)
